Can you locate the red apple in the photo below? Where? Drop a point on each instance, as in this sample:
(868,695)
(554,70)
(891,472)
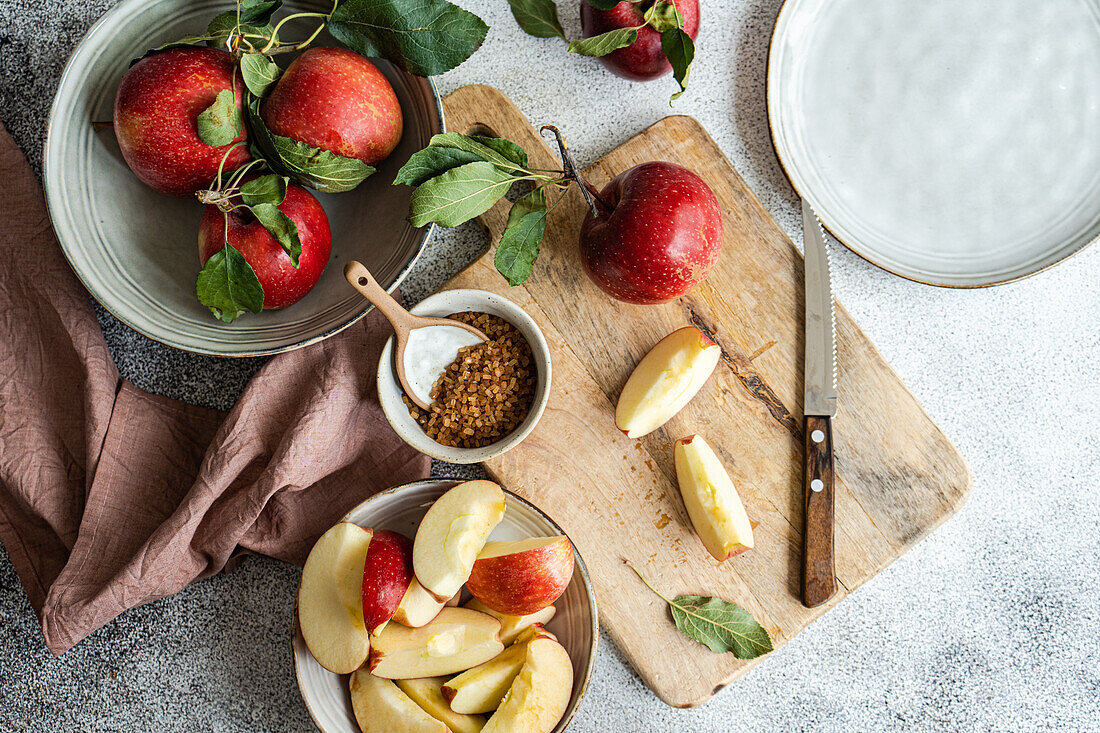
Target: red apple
(521,578)
(336,100)
(156,109)
(642,60)
(656,236)
(283,284)
(386,575)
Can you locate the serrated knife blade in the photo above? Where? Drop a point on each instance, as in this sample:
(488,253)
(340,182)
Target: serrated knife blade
(820,396)
(818,408)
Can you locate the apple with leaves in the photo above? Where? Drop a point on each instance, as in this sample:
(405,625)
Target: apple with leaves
(177,115)
(263,246)
(335,100)
(645,57)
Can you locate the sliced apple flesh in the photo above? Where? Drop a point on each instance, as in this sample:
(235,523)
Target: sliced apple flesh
(380,707)
(417,606)
(665,380)
(480,690)
(713,504)
(539,694)
(511,626)
(425,692)
(455,640)
(330,601)
(452,533)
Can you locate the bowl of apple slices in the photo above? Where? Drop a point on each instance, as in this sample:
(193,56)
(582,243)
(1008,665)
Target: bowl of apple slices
(444,605)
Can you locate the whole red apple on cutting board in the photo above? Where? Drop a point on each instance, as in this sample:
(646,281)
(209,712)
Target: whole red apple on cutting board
(155,118)
(644,59)
(657,233)
(336,100)
(283,283)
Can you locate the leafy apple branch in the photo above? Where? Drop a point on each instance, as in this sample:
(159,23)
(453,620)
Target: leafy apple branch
(227,284)
(459,177)
(719,625)
(539,18)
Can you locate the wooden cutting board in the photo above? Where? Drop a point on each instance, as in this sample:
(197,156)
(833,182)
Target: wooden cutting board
(898,476)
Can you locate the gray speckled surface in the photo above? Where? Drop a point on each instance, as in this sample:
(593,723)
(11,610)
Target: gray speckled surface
(992,623)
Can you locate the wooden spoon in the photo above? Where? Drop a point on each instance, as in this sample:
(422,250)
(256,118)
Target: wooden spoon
(427,354)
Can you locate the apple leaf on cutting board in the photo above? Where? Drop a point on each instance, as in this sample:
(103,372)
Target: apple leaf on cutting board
(721,626)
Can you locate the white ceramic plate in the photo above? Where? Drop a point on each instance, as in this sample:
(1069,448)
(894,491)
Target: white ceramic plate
(954,143)
(137,250)
(400,509)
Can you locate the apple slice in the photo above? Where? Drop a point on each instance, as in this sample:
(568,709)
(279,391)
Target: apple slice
(512,626)
(452,533)
(711,499)
(456,639)
(330,601)
(665,380)
(480,690)
(520,578)
(540,693)
(386,575)
(380,707)
(418,606)
(425,692)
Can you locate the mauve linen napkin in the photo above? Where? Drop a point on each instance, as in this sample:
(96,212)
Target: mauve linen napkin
(111,497)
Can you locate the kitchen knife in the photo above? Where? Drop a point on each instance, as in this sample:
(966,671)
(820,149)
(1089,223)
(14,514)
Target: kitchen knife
(818,407)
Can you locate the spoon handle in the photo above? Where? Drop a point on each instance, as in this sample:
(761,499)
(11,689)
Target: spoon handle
(361,279)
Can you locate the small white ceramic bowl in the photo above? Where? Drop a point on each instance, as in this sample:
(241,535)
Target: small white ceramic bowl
(400,509)
(444,304)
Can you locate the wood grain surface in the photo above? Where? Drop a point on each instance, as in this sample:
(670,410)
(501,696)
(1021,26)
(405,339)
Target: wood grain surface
(897,475)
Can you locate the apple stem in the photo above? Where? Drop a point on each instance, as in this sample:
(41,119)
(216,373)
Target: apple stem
(595,204)
(102,124)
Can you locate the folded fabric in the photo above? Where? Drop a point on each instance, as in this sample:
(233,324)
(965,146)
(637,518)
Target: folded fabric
(111,497)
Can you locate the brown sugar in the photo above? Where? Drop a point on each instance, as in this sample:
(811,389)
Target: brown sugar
(486,392)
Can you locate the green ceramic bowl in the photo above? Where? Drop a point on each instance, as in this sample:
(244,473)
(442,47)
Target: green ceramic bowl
(137,250)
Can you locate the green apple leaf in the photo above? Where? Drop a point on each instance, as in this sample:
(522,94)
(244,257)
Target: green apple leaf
(679,49)
(504,154)
(259,73)
(664,16)
(220,123)
(257,11)
(269,189)
(225,25)
(319,169)
(428,163)
(458,195)
(719,625)
(228,285)
(424,37)
(519,245)
(280,226)
(602,4)
(185,41)
(604,43)
(538,18)
(510,150)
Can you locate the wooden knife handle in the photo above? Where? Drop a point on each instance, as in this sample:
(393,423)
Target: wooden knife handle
(818,574)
